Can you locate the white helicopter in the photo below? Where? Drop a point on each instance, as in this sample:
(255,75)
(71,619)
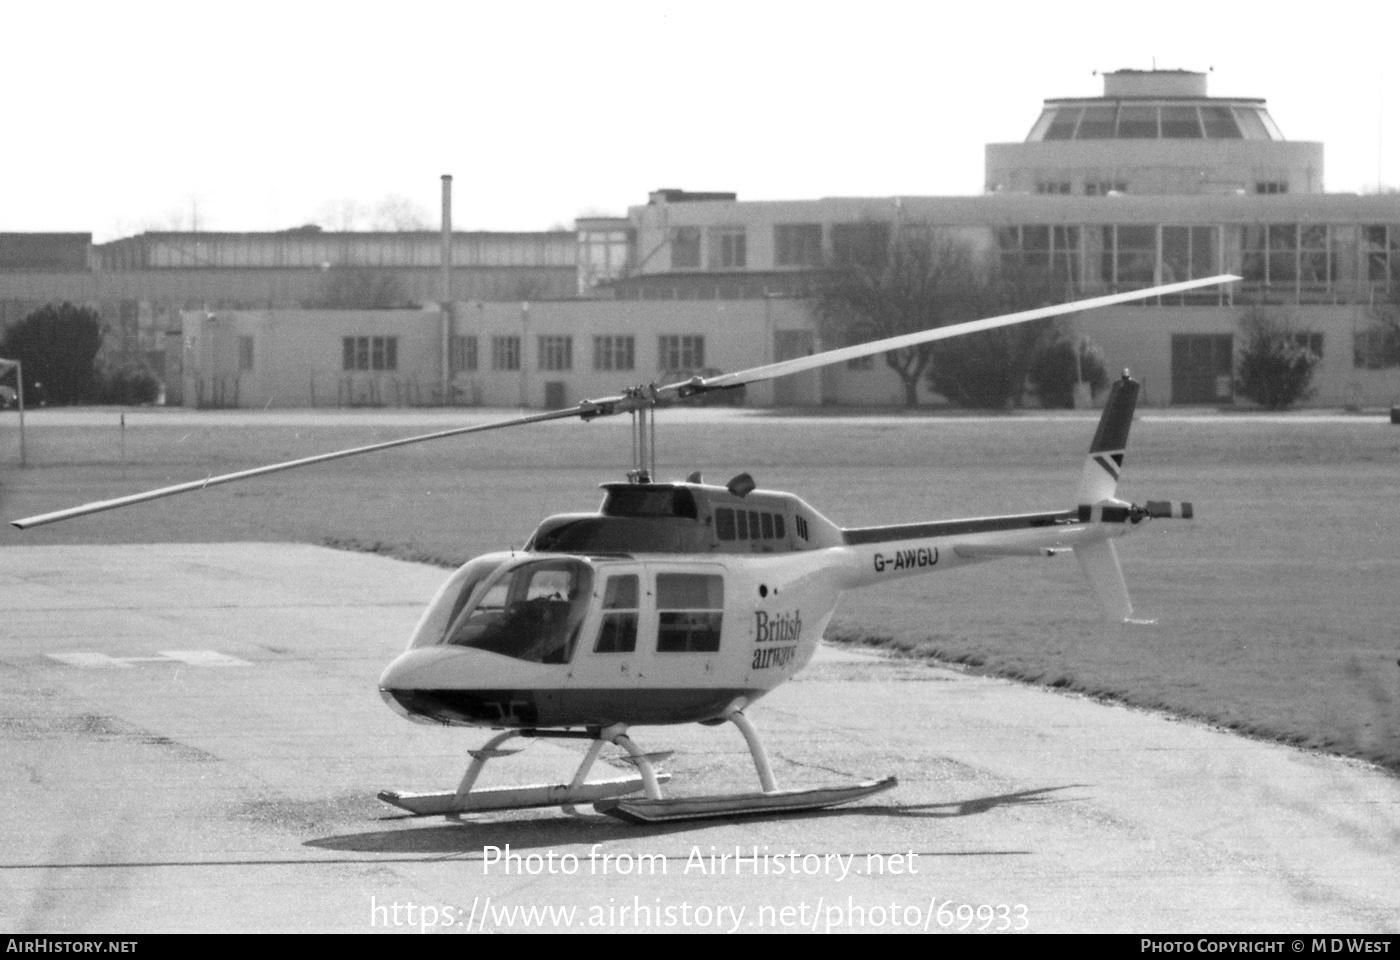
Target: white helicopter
(686,602)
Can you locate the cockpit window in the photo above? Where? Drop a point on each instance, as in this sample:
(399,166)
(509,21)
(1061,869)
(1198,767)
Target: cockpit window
(455,595)
(532,612)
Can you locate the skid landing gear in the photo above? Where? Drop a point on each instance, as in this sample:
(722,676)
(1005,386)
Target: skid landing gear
(611,797)
(655,809)
(578,790)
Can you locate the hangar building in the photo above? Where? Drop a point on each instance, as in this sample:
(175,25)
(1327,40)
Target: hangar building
(1151,182)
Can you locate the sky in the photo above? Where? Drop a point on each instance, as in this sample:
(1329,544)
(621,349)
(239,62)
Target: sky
(253,115)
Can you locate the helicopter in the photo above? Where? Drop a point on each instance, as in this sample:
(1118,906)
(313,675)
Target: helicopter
(686,602)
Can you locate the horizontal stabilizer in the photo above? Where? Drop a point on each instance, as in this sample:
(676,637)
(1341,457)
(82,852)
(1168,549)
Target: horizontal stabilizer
(1099,561)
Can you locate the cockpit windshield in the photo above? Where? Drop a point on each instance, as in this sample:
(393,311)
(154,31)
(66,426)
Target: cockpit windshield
(531,612)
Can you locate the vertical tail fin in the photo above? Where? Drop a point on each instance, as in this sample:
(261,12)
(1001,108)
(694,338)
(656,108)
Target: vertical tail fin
(1105,462)
(1098,484)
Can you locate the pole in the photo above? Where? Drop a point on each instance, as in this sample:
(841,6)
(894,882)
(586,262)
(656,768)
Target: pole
(524,354)
(445,372)
(19,375)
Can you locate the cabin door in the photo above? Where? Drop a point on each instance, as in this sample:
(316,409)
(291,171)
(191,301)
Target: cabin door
(679,643)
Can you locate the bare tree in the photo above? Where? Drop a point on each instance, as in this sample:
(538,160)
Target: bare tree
(877,289)
(340,215)
(399,214)
(990,370)
(394,214)
(880,289)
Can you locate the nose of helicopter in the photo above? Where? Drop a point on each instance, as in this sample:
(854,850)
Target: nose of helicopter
(418,670)
(460,686)
(405,670)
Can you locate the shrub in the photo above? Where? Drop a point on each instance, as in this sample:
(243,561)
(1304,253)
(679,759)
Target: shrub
(57,344)
(1054,371)
(126,382)
(1275,363)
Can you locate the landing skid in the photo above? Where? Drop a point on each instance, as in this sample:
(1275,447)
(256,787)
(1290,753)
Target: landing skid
(611,796)
(738,804)
(514,798)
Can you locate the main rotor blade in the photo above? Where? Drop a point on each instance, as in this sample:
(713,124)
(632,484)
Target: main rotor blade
(800,364)
(586,410)
(644,397)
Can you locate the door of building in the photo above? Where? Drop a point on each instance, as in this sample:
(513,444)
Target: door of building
(1203,368)
(800,389)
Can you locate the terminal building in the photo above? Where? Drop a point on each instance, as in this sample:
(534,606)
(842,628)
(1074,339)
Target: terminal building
(1154,181)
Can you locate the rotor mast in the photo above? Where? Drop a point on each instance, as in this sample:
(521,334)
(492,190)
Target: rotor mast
(643,410)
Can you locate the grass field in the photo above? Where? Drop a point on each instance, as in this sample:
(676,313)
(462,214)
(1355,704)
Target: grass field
(1278,609)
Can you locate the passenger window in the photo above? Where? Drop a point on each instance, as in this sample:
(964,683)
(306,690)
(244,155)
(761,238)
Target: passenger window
(778,526)
(768,526)
(743,523)
(618,633)
(755,525)
(691,609)
(724,523)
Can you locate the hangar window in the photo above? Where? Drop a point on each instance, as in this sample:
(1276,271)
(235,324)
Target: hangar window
(685,248)
(1220,124)
(729,248)
(1380,245)
(1137,122)
(370,353)
(1098,123)
(1180,123)
(1188,253)
(1061,127)
(797,244)
(1129,256)
(505,353)
(463,353)
(675,353)
(556,353)
(1040,247)
(614,353)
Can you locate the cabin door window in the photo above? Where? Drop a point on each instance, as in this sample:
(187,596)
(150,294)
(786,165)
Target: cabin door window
(690,612)
(617,633)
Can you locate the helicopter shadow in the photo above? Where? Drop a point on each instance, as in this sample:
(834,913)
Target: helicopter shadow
(465,839)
